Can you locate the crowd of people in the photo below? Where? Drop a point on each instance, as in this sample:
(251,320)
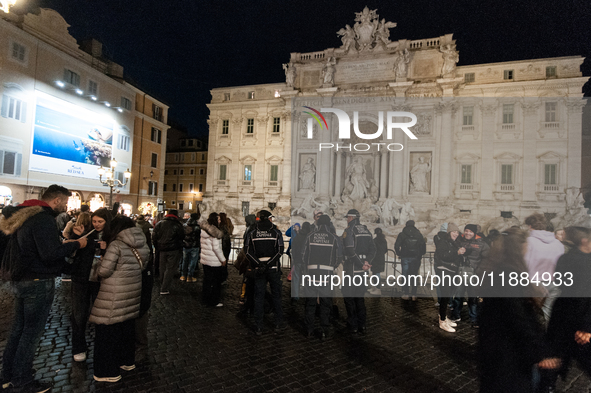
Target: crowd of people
(529,331)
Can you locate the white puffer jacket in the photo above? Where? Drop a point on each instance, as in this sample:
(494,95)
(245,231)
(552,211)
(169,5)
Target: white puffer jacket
(211,245)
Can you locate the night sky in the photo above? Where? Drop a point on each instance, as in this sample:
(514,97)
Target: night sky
(178,50)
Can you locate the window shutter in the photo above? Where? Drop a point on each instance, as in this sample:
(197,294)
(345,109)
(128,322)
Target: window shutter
(5,101)
(19,160)
(1,162)
(23,112)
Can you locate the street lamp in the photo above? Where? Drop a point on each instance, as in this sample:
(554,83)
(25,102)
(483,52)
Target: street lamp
(195,194)
(110,179)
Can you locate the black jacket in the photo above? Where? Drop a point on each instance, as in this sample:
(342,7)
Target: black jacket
(264,242)
(412,234)
(80,269)
(476,250)
(146,226)
(446,253)
(572,310)
(379,262)
(358,246)
(42,255)
(168,234)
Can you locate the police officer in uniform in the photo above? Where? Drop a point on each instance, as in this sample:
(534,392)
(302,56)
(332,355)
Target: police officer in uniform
(322,253)
(264,246)
(359,249)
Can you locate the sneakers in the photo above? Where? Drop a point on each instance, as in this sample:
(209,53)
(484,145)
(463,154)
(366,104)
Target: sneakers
(458,319)
(445,326)
(450,322)
(33,387)
(219,305)
(183,278)
(127,368)
(6,384)
(375,292)
(405,297)
(80,357)
(191,279)
(475,325)
(107,379)
(165,293)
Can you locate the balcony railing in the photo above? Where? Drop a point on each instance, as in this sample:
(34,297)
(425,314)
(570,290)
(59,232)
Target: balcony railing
(551,125)
(507,127)
(466,186)
(551,187)
(468,128)
(507,187)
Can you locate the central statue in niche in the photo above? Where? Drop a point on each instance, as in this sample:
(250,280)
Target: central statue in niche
(357,182)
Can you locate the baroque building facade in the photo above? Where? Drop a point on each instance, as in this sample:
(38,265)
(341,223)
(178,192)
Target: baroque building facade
(495,141)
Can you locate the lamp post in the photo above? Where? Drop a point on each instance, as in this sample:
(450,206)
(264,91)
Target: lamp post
(110,179)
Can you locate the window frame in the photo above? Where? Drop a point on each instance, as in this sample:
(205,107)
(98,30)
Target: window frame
(154,158)
(250,126)
(509,75)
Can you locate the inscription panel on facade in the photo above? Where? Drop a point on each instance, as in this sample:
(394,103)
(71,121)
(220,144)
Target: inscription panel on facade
(311,78)
(365,71)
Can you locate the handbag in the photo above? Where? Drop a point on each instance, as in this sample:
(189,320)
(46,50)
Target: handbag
(241,263)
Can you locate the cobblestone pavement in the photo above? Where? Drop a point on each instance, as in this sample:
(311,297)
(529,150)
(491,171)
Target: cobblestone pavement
(198,349)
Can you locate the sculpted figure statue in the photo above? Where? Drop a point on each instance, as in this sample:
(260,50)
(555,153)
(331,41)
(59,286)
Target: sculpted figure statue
(306,209)
(308,175)
(401,63)
(347,37)
(418,176)
(364,28)
(382,33)
(450,58)
(290,74)
(328,71)
(358,178)
(390,211)
(406,213)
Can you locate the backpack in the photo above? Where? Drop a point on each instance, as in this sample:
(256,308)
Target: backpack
(411,245)
(12,267)
(192,236)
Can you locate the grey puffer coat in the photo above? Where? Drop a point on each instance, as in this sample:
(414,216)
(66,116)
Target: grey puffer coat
(120,275)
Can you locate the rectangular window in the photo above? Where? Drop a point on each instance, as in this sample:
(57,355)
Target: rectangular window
(247,172)
(71,77)
(174,187)
(508,113)
(154,160)
(469,77)
(192,157)
(191,141)
(123,142)
(226,96)
(182,172)
(223,172)
(245,208)
(468,112)
(92,88)
(164,187)
(550,71)
(508,75)
(166,172)
(249,126)
(183,143)
(507,174)
(190,187)
(192,171)
(152,188)
(181,205)
(276,124)
(10,163)
(550,111)
(274,172)
(157,112)
(466,174)
(18,52)
(156,135)
(14,108)
(201,171)
(225,127)
(126,103)
(250,95)
(183,157)
(550,173)
(180,187)
(200,187)
(202,157)
(176,157)
(174,172)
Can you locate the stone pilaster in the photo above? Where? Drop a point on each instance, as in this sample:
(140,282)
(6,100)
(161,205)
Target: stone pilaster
(445,148)
(575,118)
(530,125)
(487,183)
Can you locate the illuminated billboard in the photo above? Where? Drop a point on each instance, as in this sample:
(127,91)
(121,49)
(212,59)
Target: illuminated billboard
(70,140)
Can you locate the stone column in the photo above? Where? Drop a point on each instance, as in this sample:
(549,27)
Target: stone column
(574,135)
(397,168)
(445,150)
(384,175)
(338,176)
(530,162)
(376,167)
(323,166)
(488,164)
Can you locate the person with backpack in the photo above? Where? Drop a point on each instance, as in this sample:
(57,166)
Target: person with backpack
(34,256)
(168,236)
(410,246)
(191,248)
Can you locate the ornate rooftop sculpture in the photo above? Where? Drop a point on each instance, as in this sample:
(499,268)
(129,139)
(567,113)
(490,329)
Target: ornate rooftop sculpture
(368,33)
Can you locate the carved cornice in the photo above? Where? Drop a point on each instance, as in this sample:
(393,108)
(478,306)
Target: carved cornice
(530,107)
(575,106)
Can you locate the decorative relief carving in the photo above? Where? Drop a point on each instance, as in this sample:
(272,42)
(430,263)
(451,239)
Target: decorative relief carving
(368,33)
(530,69)
(489,73)
(530,107)
(423,126)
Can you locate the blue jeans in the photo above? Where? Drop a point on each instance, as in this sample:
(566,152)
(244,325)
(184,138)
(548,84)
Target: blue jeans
(273,277)
(458,303)
(32,304)
(410,266)
(190,260)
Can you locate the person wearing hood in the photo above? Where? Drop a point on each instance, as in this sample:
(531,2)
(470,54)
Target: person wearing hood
(448,259)
(117,304)
(34,256)
(264,247)
(410,246)
(212,259)
(168,236)
(543,251)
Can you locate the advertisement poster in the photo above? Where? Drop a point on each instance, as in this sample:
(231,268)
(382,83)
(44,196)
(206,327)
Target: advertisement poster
(69,140)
